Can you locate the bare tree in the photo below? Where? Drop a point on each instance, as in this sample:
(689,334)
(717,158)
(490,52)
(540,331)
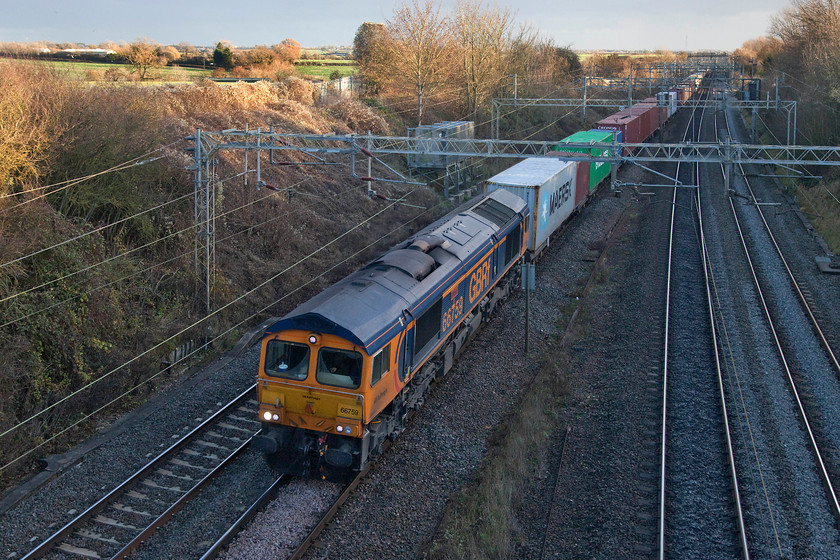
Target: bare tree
(808,63)
(482,35)
(261,56)
(288,50)
(420,50)
(143,55)
(758,51)
(810,32)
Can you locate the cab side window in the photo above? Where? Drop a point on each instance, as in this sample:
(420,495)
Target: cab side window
(513,243)
(381,363)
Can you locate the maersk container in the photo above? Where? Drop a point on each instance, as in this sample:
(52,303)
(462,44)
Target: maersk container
(598,170)
(547,185)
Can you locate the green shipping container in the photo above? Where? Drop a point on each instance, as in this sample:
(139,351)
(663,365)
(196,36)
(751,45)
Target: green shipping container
(598,170)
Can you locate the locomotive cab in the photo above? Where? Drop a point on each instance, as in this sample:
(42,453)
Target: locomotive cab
(312,403)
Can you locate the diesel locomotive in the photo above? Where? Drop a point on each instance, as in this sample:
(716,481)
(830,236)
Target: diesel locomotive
(339,374)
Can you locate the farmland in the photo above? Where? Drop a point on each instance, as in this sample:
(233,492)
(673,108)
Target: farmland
(96,71)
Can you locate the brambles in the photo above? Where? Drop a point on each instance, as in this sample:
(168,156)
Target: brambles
(88,307)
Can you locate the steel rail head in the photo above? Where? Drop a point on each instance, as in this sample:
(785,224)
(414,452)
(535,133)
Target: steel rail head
(59,535)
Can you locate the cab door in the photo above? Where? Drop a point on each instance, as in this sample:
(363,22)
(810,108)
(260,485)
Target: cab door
(407,350)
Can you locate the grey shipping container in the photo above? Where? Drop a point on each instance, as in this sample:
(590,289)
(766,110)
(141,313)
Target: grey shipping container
(548,186)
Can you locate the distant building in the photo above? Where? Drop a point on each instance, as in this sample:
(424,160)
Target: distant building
(90,52)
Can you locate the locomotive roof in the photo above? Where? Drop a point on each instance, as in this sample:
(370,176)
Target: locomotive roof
(368,303)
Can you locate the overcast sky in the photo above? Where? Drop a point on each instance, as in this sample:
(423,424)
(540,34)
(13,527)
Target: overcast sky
(603,24)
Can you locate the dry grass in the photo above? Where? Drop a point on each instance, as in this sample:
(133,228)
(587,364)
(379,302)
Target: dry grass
(30,121)
(481,521)
(211,97)
(109,124)
(359,118)
(821,204)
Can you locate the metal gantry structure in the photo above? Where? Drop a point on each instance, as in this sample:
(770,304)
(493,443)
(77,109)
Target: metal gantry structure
(728,76)
(204,170)
(497,105)
(653,76)
(207,146)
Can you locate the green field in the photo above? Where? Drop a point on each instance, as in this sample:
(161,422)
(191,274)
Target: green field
(324,71)
(96,70)
(87,70)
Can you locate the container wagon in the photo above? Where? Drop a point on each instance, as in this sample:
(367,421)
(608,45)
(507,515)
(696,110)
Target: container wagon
(597,170)
(549,187)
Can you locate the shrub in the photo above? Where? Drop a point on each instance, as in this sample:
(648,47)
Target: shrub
(115,75)
(298,90)
(30,121)
(360,118)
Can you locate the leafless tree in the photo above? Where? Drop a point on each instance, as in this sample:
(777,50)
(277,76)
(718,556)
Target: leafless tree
(288,50)
(482,36)
(758,51)
(809,62)
(370,49)
(420,49)
(810,30)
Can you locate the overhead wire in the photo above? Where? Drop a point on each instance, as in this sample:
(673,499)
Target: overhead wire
(213,313)
(182,255)
(139,160)
(214,339)
(95,230)
(94,290)
(135,249)
(200,321)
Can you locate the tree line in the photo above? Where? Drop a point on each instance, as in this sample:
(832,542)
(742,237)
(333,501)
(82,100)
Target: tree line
(802,53)
(463,57)
(143,56)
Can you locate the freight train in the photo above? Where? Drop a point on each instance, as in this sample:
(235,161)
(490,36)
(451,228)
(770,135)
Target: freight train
(339,374)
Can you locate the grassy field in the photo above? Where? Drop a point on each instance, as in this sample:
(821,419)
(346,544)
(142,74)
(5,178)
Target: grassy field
(85,70)
(323,72)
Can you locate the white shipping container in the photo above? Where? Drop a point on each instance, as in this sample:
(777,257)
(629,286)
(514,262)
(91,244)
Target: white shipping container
(548,186)
(667,99)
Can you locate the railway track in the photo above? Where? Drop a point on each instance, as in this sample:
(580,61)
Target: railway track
(700,506)
(120,521)
(805,359)
(250,513)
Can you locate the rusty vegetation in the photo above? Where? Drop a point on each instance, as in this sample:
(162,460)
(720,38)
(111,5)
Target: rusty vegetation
(72,312)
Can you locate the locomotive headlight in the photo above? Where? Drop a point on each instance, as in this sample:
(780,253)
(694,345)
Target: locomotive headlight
(313,339)
(266,416)
(275,417)
(339,429)
(347,430)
